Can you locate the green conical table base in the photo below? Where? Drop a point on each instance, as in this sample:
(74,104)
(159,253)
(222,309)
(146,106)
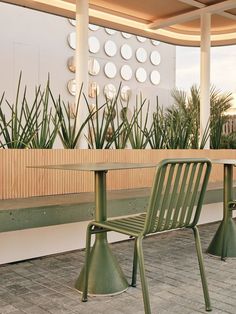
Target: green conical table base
(224,246)
(105,274)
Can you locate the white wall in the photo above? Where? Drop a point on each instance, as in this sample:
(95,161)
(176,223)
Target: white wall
(36,44)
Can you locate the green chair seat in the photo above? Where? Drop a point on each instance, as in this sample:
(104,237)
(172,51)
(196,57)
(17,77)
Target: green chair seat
(132,225)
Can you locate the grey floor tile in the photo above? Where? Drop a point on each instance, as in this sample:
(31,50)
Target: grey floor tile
(46,285)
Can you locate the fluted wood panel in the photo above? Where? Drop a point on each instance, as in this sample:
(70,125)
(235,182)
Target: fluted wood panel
(17,181)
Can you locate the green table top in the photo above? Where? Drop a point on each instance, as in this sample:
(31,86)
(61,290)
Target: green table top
(97,166)
(105,166)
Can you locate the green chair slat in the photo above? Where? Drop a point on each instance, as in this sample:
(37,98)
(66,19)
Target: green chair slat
(129,223)
(125,228)
(162,210)
(188,195)
(155,201)
(194,195)
(181,194)
(173,198)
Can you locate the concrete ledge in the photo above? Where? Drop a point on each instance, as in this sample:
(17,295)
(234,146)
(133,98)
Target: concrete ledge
(34,212)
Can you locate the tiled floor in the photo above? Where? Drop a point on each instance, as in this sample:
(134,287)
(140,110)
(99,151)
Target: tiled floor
(46,285)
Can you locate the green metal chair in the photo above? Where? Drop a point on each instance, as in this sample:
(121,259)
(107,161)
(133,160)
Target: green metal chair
(175,202)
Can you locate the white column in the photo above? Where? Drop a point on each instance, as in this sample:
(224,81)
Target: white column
(205,74)
(81,61)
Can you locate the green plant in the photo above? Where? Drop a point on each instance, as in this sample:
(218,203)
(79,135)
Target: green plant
(228,141)
(187,115)
(219,104)
(188,110)
(47,124)
(69,129)
(178,131)
(137,127)
(121,139)
(102,131)
(18,130)
(157,133)
(34,125)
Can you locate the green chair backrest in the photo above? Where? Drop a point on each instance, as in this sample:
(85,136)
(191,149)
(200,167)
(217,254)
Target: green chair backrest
(177,194)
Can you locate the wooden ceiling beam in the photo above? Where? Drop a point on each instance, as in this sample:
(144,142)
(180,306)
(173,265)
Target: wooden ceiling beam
(186,17)
(200,5)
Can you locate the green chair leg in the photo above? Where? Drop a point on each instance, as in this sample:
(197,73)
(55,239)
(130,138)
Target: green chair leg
(86,265)
(202,270)
(135,265)
(140,257)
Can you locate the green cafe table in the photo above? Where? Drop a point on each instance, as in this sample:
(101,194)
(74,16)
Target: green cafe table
(224,242)
(105,274)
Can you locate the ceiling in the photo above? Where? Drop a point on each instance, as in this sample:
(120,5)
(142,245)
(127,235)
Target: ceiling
(172,21)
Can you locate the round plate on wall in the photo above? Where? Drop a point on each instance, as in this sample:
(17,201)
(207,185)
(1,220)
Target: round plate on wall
(155,77)
(93,66)
(110,48)
(93,27)
(141,39)
(126,72)
(110,70)
(126,52)
(125,93)
(92,109)
(155,57)
(125,113)
(72,22)
(155,42)
(109,91)
(94,89)
(72,40)
(71,64)
(141,75)
(141,55)
(111,112)
(94,44)
(71,85)
(109,134)
(126,35)
(72,110)
(110,31)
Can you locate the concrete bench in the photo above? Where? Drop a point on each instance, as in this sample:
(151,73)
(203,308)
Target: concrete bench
(34,212)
